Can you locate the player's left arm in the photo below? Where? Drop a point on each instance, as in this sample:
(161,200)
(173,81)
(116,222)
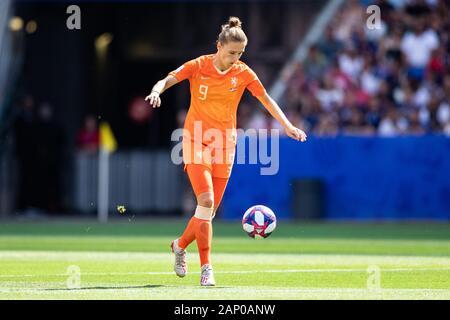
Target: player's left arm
(277,113)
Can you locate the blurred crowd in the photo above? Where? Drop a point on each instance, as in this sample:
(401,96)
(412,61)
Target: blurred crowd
(40,145)
(388,81)
(39,142)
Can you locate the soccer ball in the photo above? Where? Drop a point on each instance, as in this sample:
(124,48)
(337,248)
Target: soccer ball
(259,222)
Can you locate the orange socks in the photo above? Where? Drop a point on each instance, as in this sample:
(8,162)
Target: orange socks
(200,229)
(189,233)
(203,235)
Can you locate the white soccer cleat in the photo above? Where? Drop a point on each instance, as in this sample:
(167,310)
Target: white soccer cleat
(180,267)
(207,276)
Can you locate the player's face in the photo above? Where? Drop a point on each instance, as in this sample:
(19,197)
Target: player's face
(230,52)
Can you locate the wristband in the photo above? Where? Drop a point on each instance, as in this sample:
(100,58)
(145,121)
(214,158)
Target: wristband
(156,92)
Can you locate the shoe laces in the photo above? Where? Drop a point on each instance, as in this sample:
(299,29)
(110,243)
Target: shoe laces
(207,270)
(180,257)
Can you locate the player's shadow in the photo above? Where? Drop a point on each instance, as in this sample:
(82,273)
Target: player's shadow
(148,286)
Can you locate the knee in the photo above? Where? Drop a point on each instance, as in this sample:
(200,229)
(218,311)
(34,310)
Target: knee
(206,200)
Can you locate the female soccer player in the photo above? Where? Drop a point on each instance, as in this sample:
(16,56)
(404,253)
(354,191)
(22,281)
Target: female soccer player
(217,82)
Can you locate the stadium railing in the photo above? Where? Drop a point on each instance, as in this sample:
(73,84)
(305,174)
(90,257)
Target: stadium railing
(140,180)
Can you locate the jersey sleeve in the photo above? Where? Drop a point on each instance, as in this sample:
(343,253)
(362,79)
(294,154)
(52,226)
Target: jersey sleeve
(254,85)
(185,71)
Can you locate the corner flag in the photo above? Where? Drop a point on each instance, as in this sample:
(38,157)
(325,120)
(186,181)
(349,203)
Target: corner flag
(108,144)
(107,139)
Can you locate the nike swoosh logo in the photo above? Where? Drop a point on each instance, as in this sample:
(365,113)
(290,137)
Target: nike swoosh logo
(204,78)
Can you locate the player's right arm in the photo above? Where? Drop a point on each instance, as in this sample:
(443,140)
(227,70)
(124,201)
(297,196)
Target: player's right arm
(183,72)
(159,88)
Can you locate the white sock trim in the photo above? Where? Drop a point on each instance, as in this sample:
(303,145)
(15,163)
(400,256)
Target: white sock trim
(203,213)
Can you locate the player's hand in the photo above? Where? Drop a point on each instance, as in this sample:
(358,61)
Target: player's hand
(154,99)
(296,133)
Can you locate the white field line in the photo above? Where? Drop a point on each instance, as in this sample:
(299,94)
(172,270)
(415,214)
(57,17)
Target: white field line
(238,290)
(221,272)
(277,261)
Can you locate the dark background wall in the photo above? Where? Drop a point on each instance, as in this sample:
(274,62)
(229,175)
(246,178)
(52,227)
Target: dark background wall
(149,40)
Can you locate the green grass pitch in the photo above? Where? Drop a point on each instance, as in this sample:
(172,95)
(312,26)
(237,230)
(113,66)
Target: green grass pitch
(131,259)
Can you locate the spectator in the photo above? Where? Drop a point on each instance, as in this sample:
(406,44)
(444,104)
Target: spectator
(88,138)
(328,125)
(311,112)
(372,115)
(416,9)
(350,62)
(357,124)
(447,129)
(387,10)
(430,116)
(328,95)
(414,126)
(26,144)
(392,124)
(443,114)
(315,64)
(390,46)
(353,16)
(370,80)
(436,65)
(49,159)
(329,45)
(417,47)
(421,94)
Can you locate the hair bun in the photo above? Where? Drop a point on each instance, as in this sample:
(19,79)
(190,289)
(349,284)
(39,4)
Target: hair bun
(232,31)
(234,22)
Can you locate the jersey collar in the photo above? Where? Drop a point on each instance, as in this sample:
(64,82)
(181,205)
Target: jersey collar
(222,73)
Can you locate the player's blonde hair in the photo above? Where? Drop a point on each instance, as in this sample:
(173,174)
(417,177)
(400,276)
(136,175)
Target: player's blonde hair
(232,31)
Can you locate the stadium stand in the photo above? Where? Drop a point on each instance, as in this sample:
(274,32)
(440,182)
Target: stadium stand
(389,81)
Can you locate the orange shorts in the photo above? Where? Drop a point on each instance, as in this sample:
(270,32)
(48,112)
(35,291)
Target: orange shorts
(202,181)
(218,161)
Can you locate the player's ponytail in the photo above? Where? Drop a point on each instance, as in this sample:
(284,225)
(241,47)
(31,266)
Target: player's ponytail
(234,22)
(232,31)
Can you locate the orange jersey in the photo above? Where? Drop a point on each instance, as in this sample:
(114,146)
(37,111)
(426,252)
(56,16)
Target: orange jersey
(215,96)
